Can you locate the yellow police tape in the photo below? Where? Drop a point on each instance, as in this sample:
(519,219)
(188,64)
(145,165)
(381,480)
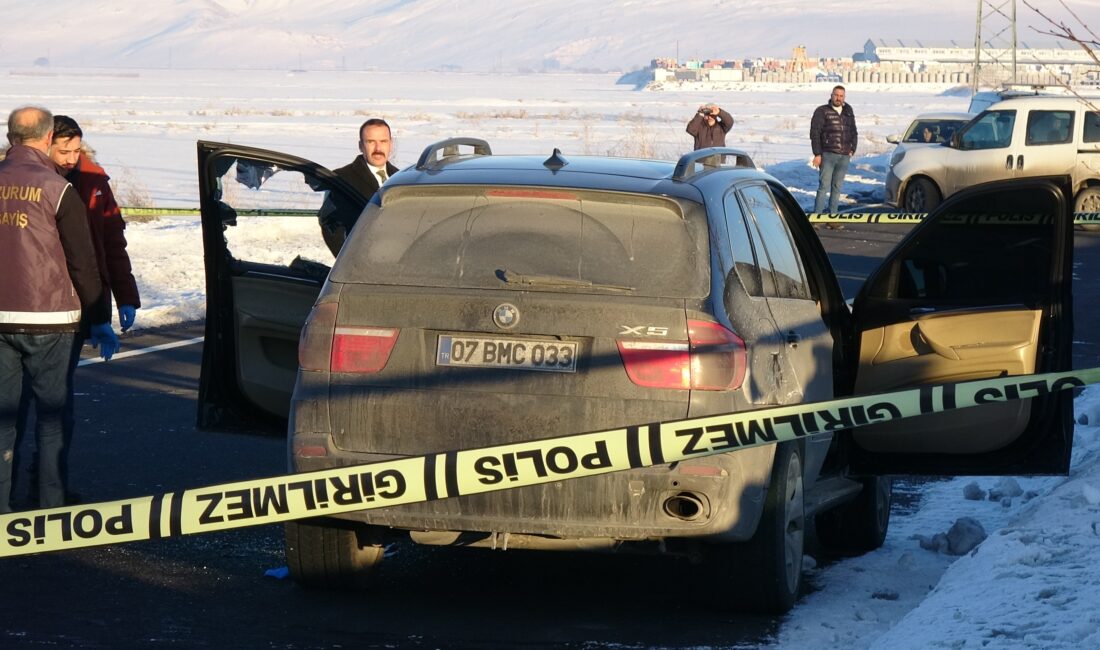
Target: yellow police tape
(909,218)
(814,217)
(138,211)
(488,469)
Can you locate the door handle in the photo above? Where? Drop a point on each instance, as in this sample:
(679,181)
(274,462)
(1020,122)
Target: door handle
(1008,162)
(1020,161)
(944,351)
(793,338)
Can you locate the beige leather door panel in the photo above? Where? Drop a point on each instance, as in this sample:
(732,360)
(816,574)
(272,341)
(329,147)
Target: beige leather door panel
(269,317)
(948,347)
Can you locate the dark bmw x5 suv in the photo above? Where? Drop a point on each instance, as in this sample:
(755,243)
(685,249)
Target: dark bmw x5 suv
(486,299)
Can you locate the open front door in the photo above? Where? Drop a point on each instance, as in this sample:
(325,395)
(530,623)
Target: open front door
(980,289)
(266,261)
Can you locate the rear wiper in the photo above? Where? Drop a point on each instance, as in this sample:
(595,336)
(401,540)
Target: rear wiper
(511,277)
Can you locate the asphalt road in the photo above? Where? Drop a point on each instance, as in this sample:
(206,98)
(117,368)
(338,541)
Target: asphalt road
(136,436)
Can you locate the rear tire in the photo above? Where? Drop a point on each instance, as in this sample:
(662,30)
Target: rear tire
(768,567)
(1088,200)
(861,524)
(921,196)
(332,554)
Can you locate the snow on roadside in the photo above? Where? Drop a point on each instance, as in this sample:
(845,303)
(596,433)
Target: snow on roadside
(1032,583)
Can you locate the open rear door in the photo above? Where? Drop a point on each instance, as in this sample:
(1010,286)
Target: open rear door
(266,261)
(980,289)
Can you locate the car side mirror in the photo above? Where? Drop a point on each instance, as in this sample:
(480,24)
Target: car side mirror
(893,139)
(956,140)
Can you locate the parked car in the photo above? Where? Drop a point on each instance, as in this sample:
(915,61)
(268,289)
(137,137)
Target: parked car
(1017,138)
(624,292)
(929,128)
(831,77)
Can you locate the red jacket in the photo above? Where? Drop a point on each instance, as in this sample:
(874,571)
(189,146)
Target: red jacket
(106,225)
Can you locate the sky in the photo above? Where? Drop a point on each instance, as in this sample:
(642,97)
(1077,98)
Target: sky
(616,35)
(1032,583)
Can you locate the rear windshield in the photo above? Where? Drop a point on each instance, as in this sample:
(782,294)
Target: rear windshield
(529,239)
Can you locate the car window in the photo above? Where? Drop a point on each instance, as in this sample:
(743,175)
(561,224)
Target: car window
(943,264)
(990,130)
(939,130)
(790,282)
(261,203)
(1049,127)
(530,239)
(1092,126)
(743,259)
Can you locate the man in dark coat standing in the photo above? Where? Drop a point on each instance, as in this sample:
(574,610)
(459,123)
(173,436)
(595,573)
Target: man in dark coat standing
(366,173)
(709,126)
(833,140)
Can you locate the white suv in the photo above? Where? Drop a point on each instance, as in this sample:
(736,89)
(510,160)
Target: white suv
(1021,137)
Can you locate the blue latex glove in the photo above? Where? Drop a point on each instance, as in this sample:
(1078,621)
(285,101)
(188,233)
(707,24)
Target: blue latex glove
(126,315)
(104,338)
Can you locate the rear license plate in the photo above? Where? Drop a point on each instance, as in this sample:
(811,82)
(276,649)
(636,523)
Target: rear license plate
(519,354)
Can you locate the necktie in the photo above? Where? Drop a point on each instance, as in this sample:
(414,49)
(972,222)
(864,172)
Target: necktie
(382,175)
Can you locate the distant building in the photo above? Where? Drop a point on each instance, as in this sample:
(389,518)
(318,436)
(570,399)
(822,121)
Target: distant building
(918,53)
(725,74)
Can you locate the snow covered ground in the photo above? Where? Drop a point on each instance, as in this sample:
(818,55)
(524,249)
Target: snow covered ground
(473,36)
(1032,583)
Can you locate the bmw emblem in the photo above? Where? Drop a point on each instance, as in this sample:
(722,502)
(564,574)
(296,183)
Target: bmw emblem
(506,316)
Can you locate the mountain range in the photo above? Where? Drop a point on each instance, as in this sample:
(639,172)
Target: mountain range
(488,35)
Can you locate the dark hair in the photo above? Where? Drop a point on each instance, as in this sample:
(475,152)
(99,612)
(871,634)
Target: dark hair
(374,121)
(65,127)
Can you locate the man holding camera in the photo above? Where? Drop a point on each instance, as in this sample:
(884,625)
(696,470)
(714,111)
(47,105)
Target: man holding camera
(710,126)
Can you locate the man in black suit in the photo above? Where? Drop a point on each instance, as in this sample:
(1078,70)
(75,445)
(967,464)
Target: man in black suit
(366,173)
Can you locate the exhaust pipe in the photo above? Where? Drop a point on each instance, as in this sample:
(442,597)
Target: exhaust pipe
(685,506)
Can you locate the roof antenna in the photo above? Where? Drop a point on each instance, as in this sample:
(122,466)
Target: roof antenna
(556,161)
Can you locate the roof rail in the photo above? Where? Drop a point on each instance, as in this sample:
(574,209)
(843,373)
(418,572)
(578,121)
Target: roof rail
(709,158)
(436,155)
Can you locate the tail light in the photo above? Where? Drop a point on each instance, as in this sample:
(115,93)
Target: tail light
(713,358)
(324,346)
(718,356)
(362,349)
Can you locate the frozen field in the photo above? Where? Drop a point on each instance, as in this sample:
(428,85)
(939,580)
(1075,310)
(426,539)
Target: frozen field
(144,123)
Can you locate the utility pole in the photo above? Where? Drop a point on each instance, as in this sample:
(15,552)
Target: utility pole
(994,44)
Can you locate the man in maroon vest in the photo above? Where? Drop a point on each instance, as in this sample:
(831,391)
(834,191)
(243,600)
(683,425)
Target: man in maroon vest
(51,274)
(106,226)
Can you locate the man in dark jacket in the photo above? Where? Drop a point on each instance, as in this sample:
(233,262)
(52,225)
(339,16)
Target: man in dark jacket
(51,275)
(366,173)
(833,139)
(106,226)
(709,126)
